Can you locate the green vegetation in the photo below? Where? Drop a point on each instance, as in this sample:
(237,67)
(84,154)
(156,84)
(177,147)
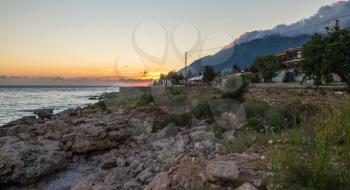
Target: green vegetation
(235,88)
(267,66)
(145,100)
(244,141)
(324,55)
(218,130)
(99,105)
(202,110)
(251,77)
(254,125)
(320,159)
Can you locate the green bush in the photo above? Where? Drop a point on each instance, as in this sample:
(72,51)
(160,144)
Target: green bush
(255,108)
(251,77)
(99,105)
(145,100)
(254,125)
(235,88)
(239,144)
(275,118)
(202,110)
(218,130)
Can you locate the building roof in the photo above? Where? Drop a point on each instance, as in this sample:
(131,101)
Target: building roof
(196,78)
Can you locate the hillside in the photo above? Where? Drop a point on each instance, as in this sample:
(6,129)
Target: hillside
(245,53)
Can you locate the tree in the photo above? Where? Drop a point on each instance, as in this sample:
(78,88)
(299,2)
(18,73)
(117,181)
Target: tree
(324,55)
(312,64)
(267,66)
(174,77)
(189,74)
(208,74)
(236,69)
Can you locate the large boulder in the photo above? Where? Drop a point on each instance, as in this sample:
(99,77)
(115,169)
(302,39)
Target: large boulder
(44,113)
(23,162)
(24,121)
(88,138)
(246,186)
(222,170)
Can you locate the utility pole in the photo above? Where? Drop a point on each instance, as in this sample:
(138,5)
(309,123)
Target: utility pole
(186,57)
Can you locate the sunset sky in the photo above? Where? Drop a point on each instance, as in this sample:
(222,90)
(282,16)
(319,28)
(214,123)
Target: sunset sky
(94,38)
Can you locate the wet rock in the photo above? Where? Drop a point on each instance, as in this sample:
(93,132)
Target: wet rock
(44,113)
(222,170)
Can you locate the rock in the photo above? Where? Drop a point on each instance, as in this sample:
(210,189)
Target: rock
(43,113)
(198,136)
(163,143)
(25,121)
(246,186)
(21,162)
(121,162)
(145,176)
(170,131)
(182,140)
(82,186)
(222,170)
(159,182)
(53,135)
(132,184)
(87,138)
(16,130)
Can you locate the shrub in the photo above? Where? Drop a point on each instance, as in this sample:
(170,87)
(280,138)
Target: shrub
(254,125)
(275,118)
(202,110)
(255,108)
(99,105)
(235,88)
(239,144)
(218,130)
(145,100)
(251,77)
(321,162)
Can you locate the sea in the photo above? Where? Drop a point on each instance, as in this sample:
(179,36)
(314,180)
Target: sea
(17,102)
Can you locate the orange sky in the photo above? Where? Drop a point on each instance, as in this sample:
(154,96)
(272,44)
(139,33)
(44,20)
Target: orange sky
(95,39)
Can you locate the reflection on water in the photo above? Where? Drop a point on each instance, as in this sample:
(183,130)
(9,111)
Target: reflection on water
(16,102)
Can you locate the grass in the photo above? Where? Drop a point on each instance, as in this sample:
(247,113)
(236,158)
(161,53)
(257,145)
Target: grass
(317,157)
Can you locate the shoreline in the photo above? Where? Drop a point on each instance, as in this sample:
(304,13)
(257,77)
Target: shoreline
(91,97)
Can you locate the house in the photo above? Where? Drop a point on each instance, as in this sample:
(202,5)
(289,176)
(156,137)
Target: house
(290,58)
(194,81)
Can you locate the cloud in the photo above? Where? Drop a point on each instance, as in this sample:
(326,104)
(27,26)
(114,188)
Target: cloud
(60,81)
(325,16)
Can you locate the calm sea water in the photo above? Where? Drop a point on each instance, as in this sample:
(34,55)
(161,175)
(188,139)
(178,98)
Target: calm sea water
(16,102)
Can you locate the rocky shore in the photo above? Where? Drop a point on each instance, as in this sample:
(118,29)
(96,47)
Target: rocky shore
(84,149)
